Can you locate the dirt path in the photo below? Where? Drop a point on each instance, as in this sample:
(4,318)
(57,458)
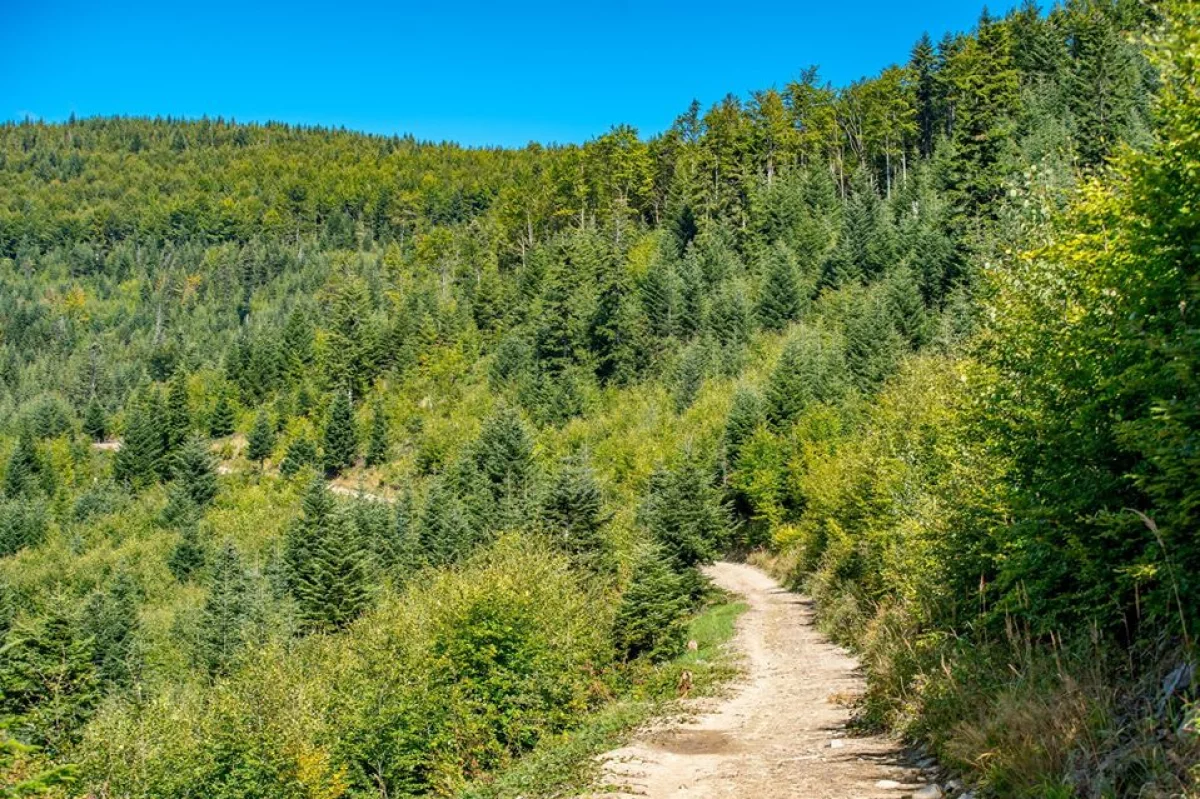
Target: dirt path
(781,733)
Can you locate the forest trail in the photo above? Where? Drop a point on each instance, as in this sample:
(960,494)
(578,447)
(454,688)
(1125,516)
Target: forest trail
(781,732)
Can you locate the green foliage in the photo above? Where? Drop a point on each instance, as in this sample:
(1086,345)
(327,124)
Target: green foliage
(188,556)
(300,453)
(341,437)
(574,514)
(195,471)
(224,620)
(811,369)
(261,441)
(685,513)
(377,441)
(95,424)
(780,297)
(221,422)
(652,618)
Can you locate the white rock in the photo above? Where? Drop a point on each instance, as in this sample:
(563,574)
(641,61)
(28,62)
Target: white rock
(887,785)
(928,792)
(836,743)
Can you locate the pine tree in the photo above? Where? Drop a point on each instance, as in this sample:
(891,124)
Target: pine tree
(779,298)
(651,619)
(110,619)
(444,530)
(341,439)
(188,556)
(222,420)
(142,451)
(315,509)
(659,296)
(180,509)
(503,454)
(405,551)
(95,425)
(227,610)
(690,374)
(302,452)
(24,465)
(685,513)
(574,513)
(179,417)
(377,443)
(261,441)
(334,586)
(195,471)
(745,416)
(908,307)
(873,347)
(811,369)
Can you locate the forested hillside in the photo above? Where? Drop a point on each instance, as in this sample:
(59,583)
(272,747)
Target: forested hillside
(346,465)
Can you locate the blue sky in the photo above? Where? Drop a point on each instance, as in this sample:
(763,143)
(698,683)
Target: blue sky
(478,73)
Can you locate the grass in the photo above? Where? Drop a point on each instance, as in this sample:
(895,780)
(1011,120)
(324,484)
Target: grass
(565,764)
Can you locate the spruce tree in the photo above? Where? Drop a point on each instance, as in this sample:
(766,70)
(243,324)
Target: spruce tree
(333,588)
(341,439)
(405,554)
(685,513)
(574,513)
(779,299)
(142,450)
(651,618)
(503,454)
(188,556)
(261,441)
(24,466)
(95,425)
(315,509)
(377,443)
(180,509)
(222,420)
(811,369)
(745,416)
(444,530)
(227,610)
(908,308)
(110,619)
(302,452)
(690,373)
(195,471)
(179,416)
(873,347)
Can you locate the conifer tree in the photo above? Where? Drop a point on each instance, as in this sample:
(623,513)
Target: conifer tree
(651,619)
(377,443)
(690,373)
(142,447)
(908,307)
(188,556)
(745,416)
(222,420)
(503,454)
(333,588)
(261,441)
(300,453)
(811,369)
(685,513)
(659,297)
(110,619)
(873,347)
(24,466)
(341,439)
(574,513)
(95,425)
(226,612)
(444,530)
(779,298)
(315,508)
(405,550)
(195,471)
(179,417)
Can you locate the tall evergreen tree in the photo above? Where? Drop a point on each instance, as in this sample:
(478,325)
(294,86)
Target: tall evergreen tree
(811,369)
(220,424)
(261,441)
(378,442)
(179,416)
(24,466)
(779,299)
(226,613)
(196,472)
(333,588)
(873,347)
(188,556)
(503,454)
(651,618)
(685,513)
(341,439)
(110,619)
(142,451)
(95,425)
(444,529)
(574,513)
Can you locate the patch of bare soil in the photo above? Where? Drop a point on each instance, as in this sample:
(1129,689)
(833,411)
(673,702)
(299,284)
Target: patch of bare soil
(780,732)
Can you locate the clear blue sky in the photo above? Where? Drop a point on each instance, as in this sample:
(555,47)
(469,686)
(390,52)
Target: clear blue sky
(475,72)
